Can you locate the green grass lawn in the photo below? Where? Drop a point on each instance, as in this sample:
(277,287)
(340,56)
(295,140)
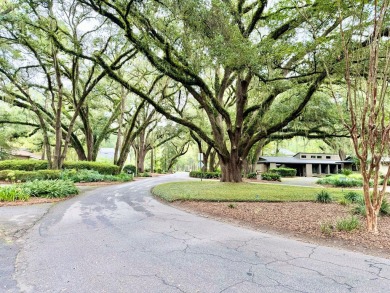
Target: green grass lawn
(218,191)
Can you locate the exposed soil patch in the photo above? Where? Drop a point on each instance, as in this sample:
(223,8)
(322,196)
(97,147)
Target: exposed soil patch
(300,220)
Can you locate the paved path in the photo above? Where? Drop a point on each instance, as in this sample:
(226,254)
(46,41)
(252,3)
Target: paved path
(119,239)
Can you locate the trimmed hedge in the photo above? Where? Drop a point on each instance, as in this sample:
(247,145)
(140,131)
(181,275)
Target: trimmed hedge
(23,176)
(102,168)
(284,172)
(33,165)
(270,176)
(206,175)
(23,165)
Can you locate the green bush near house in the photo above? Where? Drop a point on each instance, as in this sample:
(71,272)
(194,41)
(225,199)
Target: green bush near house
(284,172)
(270,176)
(13,193)
(353,180)
(251,175)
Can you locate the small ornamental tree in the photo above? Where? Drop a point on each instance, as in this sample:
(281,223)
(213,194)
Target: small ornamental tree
(367,63)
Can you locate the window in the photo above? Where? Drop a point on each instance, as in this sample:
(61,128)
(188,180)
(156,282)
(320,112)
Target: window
(319,157)
(313,157)
(328,157)
(303,156)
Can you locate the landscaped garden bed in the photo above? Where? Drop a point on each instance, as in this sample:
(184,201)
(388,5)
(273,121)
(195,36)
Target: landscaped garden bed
(330,216)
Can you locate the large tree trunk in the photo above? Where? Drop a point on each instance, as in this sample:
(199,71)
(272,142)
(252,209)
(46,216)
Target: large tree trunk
(141,159)
(231,169)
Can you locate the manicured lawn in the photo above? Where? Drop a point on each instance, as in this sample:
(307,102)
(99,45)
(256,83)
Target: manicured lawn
(217,191)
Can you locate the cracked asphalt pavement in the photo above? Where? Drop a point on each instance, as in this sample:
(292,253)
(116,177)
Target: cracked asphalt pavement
(120,239)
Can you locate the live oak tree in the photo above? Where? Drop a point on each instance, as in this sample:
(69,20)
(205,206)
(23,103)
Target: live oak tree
(62,89)
(250,66)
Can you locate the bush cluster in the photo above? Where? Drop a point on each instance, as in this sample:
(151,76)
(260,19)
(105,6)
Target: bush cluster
(206,175)
(341,181)
(271,176)
(284,172)
(82,175)
(13,193)
(34,165)
(50,188)
(251,175)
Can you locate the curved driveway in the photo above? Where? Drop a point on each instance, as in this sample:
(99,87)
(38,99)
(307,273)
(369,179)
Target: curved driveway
(120,239)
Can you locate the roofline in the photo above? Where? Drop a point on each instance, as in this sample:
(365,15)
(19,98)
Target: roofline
(332,154)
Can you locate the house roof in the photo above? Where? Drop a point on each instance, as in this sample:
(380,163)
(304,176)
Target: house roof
(294,160)
(25,153)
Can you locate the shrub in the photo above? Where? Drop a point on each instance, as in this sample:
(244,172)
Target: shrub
(122,177)
(360,208)
(341,181)
(23,176)
(102,168)
(352,196)
(206,175)
(50,188)
(251,175)
(129,169)
(284,172)
(348,224)
(344,202)
(324,197)
(93,176)
(13,193)
(83,175)
(24,165)
(269,176)
(385,208)
(326,228)
(145,174)
(346,172)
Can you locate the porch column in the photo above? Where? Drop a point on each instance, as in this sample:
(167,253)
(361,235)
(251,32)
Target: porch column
(309,170)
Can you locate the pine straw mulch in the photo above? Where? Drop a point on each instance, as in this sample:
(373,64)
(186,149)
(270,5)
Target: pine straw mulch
(299,220)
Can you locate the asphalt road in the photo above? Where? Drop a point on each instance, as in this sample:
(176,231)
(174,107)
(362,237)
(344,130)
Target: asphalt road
(120,239)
